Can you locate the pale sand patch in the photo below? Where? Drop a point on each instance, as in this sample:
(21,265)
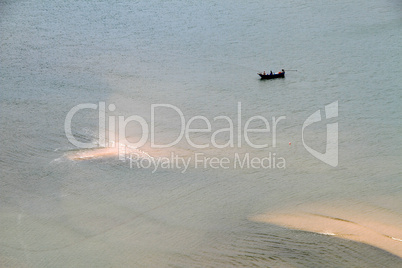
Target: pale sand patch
(105,153)
(145,151)
(370,225)
(92,153)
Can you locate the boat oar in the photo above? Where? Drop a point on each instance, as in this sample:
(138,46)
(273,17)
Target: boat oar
(291,70)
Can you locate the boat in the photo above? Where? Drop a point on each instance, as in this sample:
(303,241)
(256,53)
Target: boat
(272,75)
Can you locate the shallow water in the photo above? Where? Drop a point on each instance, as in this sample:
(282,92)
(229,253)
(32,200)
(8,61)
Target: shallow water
(203,58)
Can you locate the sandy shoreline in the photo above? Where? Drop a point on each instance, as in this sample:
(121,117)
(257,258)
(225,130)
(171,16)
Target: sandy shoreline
(365,224)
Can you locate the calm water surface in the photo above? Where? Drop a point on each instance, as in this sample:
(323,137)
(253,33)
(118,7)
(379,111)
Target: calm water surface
(203,59)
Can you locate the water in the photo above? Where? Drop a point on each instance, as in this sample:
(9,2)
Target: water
(203,59)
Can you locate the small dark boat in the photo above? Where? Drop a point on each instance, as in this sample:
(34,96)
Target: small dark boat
(273,75)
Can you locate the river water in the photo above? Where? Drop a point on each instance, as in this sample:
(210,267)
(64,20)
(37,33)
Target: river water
(198,59)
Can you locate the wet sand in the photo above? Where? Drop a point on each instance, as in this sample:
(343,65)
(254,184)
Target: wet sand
(362,223)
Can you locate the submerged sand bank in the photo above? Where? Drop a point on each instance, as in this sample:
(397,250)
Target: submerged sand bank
(120,151)
(104,153)
(365,224)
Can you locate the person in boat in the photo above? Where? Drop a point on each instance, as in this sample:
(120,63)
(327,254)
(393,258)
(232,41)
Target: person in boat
(283,70)
(270,73)
(264,73)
